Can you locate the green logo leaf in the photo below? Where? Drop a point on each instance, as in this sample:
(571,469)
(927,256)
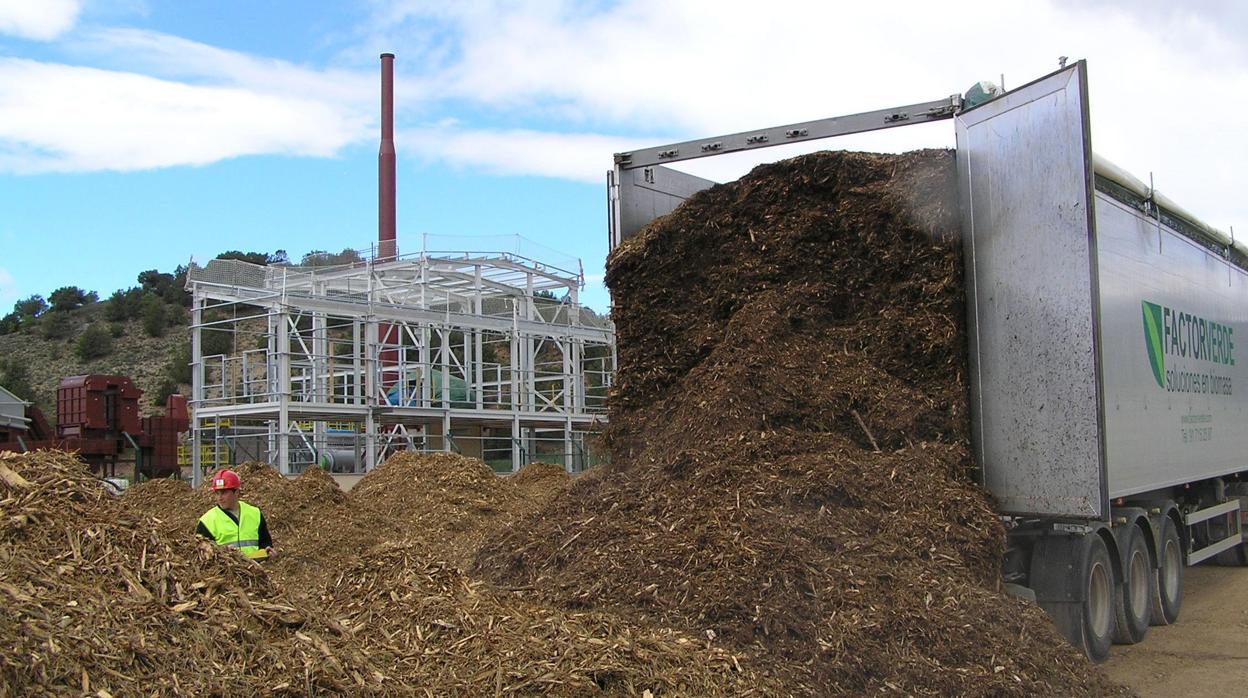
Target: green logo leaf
(1152,339)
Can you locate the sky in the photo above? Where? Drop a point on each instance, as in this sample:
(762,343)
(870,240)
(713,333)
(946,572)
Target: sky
(141,134)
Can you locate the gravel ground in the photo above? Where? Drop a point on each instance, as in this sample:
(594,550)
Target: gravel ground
(1205,653)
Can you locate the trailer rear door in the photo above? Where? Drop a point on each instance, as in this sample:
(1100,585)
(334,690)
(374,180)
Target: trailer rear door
(1024,168)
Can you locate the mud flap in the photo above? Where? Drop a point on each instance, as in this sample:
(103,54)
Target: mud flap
(1060,569)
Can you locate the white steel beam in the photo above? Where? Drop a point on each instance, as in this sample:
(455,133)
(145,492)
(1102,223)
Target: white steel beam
(197,387)
(283,392)
(398,313)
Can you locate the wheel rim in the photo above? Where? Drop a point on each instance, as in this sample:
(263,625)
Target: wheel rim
(1138,576)
(1099,589)
(1170,570)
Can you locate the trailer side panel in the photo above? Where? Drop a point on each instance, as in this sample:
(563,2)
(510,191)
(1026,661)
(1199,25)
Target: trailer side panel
(1175,315)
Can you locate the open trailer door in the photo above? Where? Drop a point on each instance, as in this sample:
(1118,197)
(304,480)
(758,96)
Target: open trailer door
(1025,179)
(636,196)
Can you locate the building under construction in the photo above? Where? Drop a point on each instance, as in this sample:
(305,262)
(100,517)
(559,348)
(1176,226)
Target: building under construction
(486,354)
(341,361)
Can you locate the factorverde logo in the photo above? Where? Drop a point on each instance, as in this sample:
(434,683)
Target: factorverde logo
(1152,339)
(1186,351)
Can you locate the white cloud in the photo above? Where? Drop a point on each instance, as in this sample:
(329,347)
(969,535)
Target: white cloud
(579,157)
(656,65)
(172,57)
(67,118)
(1196,27)
(589,79)
(171,101)
(42,20)
(1165,96)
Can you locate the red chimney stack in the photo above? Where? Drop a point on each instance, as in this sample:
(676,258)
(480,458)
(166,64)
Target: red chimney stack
(386,249)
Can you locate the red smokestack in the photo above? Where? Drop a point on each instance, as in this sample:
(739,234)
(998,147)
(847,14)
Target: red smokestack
(385,164)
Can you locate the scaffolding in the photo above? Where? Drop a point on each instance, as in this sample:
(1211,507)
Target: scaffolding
(488,354)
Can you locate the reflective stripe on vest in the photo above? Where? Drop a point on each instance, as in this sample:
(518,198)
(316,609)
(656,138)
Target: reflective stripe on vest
(244,535)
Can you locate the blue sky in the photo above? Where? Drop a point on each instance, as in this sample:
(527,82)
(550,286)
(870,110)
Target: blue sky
(137,134)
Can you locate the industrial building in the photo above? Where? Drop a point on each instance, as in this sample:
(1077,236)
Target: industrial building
(487,354)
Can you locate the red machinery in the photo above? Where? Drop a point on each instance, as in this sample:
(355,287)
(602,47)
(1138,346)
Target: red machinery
(97,417)
(159,439)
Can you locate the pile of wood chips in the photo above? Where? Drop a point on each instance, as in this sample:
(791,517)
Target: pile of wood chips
(365,619)
(539,477)
(97,600)
(445,502)
(430,622)
(790,445)
(109,595)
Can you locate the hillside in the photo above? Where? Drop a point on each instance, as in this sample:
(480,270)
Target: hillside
(144,359)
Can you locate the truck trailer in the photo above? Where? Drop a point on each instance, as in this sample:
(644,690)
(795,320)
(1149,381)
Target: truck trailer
(1106,391)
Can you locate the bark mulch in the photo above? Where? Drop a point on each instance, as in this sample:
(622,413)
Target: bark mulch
(98,600)
(790,468)
(101,598)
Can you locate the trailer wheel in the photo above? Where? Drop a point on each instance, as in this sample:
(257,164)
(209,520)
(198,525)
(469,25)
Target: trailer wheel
(1098,600)
(1238,555)
(1233,557)
(1168,590)
(1073,579)
(1134,594)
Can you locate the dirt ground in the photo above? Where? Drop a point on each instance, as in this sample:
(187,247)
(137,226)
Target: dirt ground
(1205,653)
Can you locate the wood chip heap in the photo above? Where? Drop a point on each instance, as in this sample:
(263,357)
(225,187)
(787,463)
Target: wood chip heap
(99,601)
(112,596)
(790,450)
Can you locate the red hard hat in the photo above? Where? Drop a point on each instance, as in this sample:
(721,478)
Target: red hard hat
(225,480)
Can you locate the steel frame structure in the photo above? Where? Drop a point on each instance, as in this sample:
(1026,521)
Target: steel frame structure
(344,364)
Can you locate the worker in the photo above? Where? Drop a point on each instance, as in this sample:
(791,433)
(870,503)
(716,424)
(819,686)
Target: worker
(234,522)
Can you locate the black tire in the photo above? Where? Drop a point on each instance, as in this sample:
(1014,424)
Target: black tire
(1238,555)
(1168,588)
(1099,587)
(1233,557)
(1133,596)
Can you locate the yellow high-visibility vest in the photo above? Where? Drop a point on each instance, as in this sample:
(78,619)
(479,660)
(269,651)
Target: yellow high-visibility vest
(244,535)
